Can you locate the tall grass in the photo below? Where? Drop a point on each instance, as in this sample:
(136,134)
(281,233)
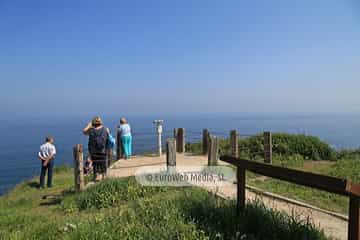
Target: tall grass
(181,213)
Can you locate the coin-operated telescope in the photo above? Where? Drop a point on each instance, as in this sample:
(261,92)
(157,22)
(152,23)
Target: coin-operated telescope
(159,129)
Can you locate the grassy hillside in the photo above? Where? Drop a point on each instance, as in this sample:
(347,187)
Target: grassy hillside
(122,209)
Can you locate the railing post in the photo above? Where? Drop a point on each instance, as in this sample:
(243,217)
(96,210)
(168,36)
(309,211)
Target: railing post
(267,147)
(354,219)
(179,134)
(213,155)
(119,151)
(241,182)
(170,153)
(234,143)
(79,169)
(205,141)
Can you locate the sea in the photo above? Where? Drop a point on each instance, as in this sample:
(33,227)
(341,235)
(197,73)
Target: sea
(21,137)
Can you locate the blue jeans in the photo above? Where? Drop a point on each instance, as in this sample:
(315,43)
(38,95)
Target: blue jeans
(49,168)
(126,143)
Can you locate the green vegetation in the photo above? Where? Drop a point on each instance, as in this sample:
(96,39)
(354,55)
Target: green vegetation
(284,145)
(122,209)
(299,152)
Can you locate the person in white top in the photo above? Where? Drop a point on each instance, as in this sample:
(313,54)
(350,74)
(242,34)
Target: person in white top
(126,138)
(47,155)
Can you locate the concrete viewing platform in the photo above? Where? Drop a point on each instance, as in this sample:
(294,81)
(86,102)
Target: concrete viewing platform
(126,168)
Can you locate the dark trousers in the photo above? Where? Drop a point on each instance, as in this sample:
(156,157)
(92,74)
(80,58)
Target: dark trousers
(49,168)
(99,163)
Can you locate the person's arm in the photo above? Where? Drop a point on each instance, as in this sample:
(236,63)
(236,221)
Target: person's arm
(87,128)
(42,158)
(46,160)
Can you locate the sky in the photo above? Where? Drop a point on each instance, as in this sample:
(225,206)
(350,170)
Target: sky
(177,57)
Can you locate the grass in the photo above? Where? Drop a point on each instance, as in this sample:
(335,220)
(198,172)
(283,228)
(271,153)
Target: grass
(122,209)
(345,168)
(322,199)
(299,152)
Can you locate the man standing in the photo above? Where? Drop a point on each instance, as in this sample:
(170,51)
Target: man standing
(47,156)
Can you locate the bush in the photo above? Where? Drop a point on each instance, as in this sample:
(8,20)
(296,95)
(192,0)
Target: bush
(347,168)
(285,145)
(348,154)
(310,147)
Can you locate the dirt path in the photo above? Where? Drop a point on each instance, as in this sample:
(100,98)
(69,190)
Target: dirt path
(332,226)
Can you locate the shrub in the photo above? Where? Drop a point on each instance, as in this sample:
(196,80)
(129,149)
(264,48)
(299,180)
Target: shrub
(309,147)
(348,154)
(347,168)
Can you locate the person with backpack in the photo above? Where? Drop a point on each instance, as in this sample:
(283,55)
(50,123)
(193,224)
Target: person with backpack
(97,146)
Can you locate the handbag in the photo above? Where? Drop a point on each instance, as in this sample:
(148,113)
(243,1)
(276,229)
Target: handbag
(111,142)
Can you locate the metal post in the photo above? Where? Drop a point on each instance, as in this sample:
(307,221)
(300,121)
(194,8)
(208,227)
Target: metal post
(159,130)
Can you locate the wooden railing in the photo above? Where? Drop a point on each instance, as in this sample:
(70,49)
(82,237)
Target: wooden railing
(330,184)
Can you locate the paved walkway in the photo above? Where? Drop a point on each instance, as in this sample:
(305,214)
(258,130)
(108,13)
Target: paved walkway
(333,226)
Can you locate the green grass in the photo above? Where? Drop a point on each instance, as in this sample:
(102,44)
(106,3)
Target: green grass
(122,209)
(347,169)
(297,151)
(322,199)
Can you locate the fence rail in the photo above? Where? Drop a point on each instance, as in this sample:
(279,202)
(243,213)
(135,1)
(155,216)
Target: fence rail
(330,184)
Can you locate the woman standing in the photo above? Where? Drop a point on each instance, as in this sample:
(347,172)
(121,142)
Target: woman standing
(126,138)
(98,138)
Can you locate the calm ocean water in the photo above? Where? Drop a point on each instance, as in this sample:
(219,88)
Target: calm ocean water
(20,141)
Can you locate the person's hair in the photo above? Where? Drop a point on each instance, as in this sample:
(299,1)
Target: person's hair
(96,121)
(49,139)
(123,121)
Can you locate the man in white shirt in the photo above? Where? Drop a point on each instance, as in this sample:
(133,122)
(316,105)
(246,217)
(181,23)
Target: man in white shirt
(47,155)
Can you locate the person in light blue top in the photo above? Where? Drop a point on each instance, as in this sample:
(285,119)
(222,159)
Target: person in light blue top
(126,138)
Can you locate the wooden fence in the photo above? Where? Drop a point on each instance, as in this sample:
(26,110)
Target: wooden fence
(326,183)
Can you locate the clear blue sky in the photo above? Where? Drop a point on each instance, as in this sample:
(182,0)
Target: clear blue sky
(141,57)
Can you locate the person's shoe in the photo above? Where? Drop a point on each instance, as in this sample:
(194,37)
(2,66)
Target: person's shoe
(49,186)
(41,188)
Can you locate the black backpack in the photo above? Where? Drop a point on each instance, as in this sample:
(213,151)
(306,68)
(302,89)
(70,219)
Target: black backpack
(97,140)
